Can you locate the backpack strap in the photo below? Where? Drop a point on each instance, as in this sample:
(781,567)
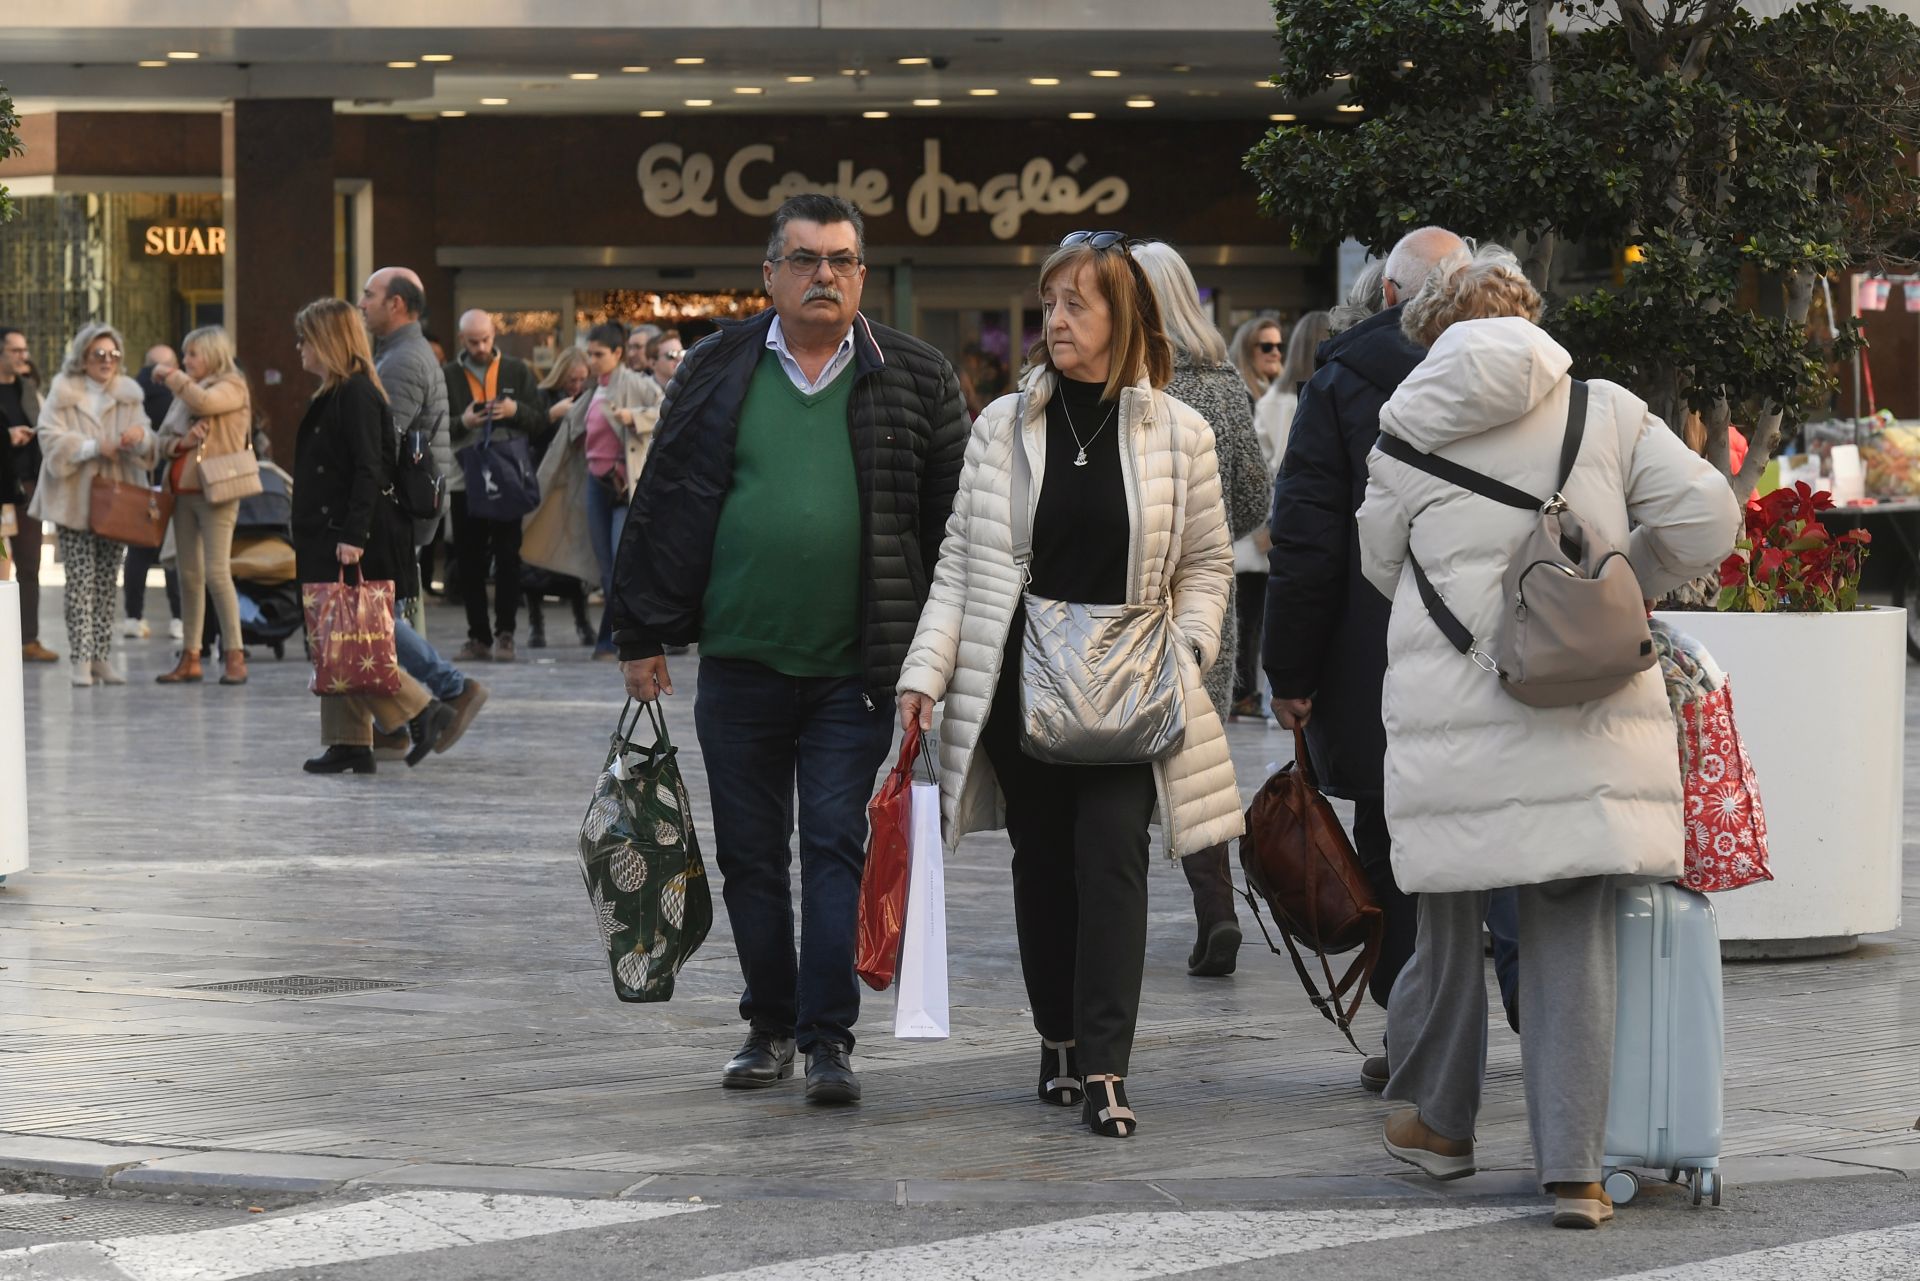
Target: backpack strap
(1461,477)
(1576,432)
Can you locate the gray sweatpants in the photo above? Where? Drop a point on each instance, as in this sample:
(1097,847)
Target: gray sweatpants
(1437,1020)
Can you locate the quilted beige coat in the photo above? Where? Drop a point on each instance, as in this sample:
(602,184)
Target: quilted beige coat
(1483,791)
(1180,547)
(68,422)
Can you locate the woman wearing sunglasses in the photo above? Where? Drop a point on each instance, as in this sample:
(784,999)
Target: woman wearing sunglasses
(94,423)
(1123,509)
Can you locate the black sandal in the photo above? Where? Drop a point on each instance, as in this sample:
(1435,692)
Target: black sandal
(1113,1119)
(1059,1074)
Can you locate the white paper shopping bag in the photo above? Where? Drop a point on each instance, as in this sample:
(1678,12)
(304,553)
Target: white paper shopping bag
(920,993)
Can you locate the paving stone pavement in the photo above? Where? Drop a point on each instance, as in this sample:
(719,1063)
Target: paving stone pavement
(177,844)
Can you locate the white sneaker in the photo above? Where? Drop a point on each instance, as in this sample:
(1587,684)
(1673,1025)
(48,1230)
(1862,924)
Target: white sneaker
(176,630)
(135,629)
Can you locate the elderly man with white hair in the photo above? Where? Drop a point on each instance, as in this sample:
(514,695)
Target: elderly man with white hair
(1326,631)
(488,393)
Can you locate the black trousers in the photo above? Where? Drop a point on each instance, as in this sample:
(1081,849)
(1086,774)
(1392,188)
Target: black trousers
(1374,845)
(480,540)
(1080,848)
(1250,603)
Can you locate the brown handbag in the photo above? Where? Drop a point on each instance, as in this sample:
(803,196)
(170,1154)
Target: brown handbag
(1298,859)
(136,515)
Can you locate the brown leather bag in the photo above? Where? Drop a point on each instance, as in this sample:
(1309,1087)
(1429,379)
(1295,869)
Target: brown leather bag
(1298,859)
(132,514)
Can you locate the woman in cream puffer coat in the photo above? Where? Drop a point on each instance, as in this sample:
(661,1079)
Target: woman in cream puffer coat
(1135,517)
(1483,791)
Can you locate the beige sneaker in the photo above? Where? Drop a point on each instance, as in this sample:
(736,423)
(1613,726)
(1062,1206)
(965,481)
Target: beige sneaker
(1407,1137)
(1580,1205)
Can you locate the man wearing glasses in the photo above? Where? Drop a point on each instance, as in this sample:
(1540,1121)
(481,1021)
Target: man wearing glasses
(792,505)
(19,471)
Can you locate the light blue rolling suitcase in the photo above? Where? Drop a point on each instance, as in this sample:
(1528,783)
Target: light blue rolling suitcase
(1667,1043)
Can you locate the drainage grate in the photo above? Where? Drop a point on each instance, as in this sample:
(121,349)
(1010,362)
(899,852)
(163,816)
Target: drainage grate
(78,1219)
(296,985)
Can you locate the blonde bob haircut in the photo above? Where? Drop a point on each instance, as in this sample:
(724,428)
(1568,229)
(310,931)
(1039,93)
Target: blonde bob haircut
(337,334)
(215,347)
(569,359)
(1139,348)
(1481,285)
(1178,294)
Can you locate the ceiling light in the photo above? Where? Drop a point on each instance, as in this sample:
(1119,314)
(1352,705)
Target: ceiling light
(635,70)
(1139,102)
(926,102)
(494,102)
(799,80)
(699,102)
(583,75)
(1180,67)
(655,114)
(1263,84)
(1044,81)
(689,62)
(183,55)
(984,93)
(403,66)
(1080,115)
(853,71)
(452,115)
(748,89)
(1104,75)
(155,62)
(916,62)
(436,57)
(1351,108)
(1283,117)
(874,115)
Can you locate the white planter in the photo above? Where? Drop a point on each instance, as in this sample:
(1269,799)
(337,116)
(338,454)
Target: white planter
(1820,700)
(13,737)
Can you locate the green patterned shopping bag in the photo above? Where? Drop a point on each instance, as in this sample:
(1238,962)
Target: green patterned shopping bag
(641,861)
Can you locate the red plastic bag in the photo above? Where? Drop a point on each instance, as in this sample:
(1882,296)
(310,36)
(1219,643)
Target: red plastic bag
(883,886)
(350,636)
(1726,827)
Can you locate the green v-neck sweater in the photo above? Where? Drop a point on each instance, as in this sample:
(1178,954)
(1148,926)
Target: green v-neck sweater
(785,585)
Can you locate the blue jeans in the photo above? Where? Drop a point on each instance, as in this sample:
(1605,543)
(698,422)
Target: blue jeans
(606,521)
(762,735)
(422,661)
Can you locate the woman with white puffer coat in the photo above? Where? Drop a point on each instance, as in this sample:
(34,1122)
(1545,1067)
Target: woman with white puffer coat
(1484,791)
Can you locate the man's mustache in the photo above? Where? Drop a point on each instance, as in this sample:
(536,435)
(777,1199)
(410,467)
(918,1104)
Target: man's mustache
(823,291)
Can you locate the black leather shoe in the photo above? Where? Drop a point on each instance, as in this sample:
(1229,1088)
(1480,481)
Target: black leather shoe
(428,728)
(1374,1074)
(341,760)
(764,1060)
(830,1077)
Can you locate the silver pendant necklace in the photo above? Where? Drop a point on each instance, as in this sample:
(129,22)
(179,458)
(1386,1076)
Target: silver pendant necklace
(1080,460)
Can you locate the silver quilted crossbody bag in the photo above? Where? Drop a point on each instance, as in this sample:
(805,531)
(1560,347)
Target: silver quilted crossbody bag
(1099,684)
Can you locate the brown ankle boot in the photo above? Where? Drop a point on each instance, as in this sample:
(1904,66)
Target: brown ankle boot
(1216,950)
(236,661)
(186,671)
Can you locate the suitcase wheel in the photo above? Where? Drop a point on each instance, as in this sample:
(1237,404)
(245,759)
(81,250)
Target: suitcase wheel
(1623,1186)
(1716,1183)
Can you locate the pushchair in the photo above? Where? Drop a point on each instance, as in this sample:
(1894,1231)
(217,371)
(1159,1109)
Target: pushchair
(264,575)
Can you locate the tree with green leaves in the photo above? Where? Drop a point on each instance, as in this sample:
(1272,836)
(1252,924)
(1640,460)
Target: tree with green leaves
(1744,158)
(10,145)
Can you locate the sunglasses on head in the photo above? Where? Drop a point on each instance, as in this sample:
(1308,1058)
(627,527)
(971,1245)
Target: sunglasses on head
(1098,239)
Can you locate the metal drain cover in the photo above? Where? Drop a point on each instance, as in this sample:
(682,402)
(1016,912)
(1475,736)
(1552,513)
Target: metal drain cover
(296,985)
(81,1219)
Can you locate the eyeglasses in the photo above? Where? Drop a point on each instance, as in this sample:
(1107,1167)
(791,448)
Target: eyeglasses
(1268,348)
(670,355)
(1098,239)
(804,263)
(103,353)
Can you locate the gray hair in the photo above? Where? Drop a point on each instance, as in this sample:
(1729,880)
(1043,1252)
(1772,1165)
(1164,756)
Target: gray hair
(1365,297)
(215,346)
(1309,332)
(1188,329)
(1477,285)
(75,365)
(815,206)
(1416,255)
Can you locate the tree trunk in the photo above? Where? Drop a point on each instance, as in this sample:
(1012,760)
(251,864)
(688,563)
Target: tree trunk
(1539,264)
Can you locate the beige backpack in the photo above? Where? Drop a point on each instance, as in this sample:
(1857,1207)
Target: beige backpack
(1573,625)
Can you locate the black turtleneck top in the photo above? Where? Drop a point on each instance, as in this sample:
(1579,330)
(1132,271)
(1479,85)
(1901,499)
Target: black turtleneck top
(1081,533)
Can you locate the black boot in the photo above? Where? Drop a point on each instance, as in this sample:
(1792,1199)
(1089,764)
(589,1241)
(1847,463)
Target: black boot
(1216,952)
(581,626)
(536,624)
(342,760)
(428,728)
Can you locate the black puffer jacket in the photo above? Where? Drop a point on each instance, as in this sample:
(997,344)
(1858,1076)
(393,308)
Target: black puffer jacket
(1326,636)
(909,429)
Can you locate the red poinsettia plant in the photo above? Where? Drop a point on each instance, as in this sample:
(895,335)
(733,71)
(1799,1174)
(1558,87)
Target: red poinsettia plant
(1788,562)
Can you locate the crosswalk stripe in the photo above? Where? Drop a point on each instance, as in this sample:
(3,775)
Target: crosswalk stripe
(1887,1254)
(401,1223)
(1128,1247)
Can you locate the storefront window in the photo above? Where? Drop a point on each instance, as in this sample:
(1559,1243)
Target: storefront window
(693,314)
